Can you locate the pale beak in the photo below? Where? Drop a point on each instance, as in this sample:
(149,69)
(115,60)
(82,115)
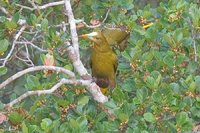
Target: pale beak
(90,35)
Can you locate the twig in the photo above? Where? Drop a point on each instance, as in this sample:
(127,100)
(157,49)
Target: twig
(193,40)
(26,61)
(42,7)
(50,91)
(98,25)
(5,11)
(32,3)
(194,44)
(13,46)
(33,45)
(36,68)
(72,27)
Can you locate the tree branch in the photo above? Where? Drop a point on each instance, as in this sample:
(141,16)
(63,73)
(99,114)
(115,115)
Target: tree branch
(33,45)
(13,45)
(42,7)
(98,25)
(33,69)
(49,91)
(72,27)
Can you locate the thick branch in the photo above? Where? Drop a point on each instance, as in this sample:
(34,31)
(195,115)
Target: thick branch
(36,68)
(77,63)
(50,91)
(72,27)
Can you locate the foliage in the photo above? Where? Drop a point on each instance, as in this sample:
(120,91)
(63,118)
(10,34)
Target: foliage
(158,81)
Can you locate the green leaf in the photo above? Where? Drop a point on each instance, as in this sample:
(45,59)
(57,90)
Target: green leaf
(197,82)
(16,17)
(184,121)
(44,24)
(123,117)
(83,100)
(182,118)
(157,97)
(62,102)
(3,19)
(129,85)
(82,122)
(192,87)
(32,128)
(195,112)
(74,124)
(46,124)
(33,19)
(110,104)
(118,95)
(192,67)
(142,94)
(168,39)
(3,71)
(149,117)
(179,36)
(150,82)
(180,59)
(15,118)
(24,128)
(175,87)
(32,82)
(4,46)
(11,25)
(168,59)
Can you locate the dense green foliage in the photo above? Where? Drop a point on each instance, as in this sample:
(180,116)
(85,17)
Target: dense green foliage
(158,81)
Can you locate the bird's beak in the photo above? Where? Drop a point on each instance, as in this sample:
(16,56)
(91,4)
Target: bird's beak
(84,36)
(89,36)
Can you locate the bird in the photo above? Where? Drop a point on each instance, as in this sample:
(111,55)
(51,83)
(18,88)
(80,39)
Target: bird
(103,61)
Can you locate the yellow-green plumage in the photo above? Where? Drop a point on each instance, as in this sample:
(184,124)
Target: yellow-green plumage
(103,61)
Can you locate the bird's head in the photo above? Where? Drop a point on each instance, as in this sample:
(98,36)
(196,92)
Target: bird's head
(96,37)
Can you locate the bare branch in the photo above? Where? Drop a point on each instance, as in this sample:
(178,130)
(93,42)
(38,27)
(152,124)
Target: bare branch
(51,4)
(32,3)
(72,27)
(5,11)
(194,43)
(13,45)
(96,93)
(42,7)
(36,68)
(50,91)
(33,45)
(77,62)
(193,32)
(98,25)
(26,61)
